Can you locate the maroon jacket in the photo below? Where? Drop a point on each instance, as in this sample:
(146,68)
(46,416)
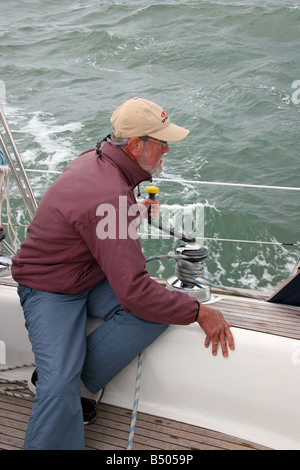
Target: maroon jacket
(66,250)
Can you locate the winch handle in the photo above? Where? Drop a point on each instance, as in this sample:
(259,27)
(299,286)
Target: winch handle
(152,191)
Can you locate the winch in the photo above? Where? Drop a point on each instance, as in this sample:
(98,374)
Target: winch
(189,259)
(189,272)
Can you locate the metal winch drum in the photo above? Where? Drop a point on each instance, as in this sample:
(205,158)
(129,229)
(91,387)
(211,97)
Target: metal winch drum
(189,261)
(194,286)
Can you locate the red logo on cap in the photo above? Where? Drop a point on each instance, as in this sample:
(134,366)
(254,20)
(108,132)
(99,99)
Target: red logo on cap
(164,117)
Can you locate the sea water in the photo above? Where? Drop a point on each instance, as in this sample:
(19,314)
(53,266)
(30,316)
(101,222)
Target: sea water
(229,71)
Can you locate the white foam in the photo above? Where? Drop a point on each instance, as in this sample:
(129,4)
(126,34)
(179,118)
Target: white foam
(51,138)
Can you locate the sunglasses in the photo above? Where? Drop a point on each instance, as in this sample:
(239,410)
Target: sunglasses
(164,143)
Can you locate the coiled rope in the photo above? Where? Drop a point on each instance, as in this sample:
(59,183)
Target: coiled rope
(15,388)
(19,389)
(192,273)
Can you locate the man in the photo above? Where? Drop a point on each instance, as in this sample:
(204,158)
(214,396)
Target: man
(83,258)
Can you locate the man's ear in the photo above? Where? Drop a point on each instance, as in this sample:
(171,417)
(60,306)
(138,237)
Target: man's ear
(135,146)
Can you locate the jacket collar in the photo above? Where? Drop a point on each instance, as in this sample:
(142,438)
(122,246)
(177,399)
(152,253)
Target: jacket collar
(132,172)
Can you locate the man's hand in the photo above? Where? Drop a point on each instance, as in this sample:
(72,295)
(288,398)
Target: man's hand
(216,329)
(149,204)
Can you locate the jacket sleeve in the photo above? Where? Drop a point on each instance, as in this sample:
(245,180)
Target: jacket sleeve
(121,259)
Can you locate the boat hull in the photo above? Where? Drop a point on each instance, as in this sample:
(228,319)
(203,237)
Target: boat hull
(253,394)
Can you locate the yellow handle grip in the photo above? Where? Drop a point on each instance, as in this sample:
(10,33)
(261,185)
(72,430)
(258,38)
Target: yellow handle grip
(152,190)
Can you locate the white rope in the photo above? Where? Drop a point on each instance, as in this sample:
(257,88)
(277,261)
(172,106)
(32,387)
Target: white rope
(136,401)
(15,388)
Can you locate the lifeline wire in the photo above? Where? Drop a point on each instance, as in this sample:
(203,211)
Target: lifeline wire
(182,181)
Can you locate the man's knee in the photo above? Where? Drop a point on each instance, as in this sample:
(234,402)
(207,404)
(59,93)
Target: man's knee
(58,384)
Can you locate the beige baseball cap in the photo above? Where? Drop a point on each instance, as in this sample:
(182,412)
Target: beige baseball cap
(138,117)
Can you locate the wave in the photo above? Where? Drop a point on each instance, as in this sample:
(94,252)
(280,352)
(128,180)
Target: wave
(51,143)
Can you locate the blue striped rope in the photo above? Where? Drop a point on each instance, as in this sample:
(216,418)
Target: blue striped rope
(136,401)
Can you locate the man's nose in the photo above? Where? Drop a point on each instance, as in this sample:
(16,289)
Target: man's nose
(165,149)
